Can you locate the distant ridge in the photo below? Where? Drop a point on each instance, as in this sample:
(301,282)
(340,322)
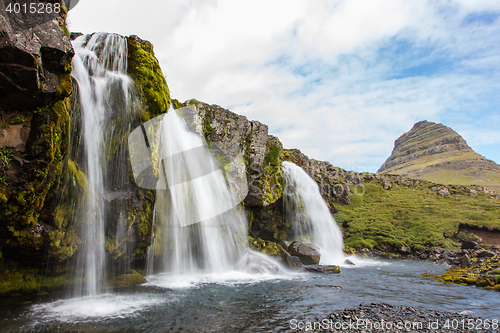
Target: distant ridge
(437,153)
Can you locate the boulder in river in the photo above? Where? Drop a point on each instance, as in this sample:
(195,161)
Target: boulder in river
(465,261)
(322,268)
(307,253)
(348,262)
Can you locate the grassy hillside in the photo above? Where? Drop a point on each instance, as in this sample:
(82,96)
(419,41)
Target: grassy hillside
(413,215)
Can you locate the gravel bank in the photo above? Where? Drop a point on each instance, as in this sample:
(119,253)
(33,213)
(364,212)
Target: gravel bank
(381,317)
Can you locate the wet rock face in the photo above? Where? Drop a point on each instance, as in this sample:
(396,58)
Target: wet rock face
(230,135)
(35,82)
(34,51)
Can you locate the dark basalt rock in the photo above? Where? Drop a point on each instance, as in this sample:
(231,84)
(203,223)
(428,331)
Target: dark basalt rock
(292,261)
(295,264)
(307,253)
(465,261)
(469,245)
(34,51)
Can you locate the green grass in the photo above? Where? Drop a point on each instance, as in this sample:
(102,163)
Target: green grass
(412,215)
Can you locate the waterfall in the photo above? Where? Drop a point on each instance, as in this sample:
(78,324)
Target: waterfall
(317,223)
(198,226)
(105,114)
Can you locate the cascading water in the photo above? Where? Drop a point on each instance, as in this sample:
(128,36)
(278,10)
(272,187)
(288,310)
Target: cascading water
(318,221)
(197,224)
(106,112)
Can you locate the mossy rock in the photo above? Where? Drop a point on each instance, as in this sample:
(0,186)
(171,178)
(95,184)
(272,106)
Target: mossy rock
(266,247)
(16,278)
(132,278)
(146,73)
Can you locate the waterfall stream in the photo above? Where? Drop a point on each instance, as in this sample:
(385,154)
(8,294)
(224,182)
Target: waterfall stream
(317,222)
(197,224)
(105,114)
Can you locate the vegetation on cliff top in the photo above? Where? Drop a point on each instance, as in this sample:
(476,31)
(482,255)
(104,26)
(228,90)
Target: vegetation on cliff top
(145,70)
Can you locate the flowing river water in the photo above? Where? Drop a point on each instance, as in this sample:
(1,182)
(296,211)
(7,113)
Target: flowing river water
(244,302)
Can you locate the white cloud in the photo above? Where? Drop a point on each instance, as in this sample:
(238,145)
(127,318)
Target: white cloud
(340,80)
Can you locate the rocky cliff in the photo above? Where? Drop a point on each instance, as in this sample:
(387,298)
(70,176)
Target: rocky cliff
(263,155)
(42,174)
(437,153)
(35,111)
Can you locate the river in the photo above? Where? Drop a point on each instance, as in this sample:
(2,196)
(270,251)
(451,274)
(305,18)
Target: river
(243,302)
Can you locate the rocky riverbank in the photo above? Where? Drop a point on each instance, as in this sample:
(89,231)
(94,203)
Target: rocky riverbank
(381,317)
(476,266)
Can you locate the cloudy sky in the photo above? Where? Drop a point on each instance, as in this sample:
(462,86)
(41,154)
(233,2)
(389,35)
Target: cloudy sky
(338,79)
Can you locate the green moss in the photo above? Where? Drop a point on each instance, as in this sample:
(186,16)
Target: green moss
(418,247)
(130,279)
(286,156)
(42,179)
(6,156)
(15,278)
(77,175)
(273,157)
(266,247)
(20,198)
(207,126)
(475,274)
(65,87)
(144,69)
(63,244)
(19,120)
(271,179)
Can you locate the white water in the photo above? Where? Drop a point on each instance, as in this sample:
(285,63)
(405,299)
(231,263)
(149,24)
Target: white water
(319,222)
(104,306)
(99,66)
(197,226)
